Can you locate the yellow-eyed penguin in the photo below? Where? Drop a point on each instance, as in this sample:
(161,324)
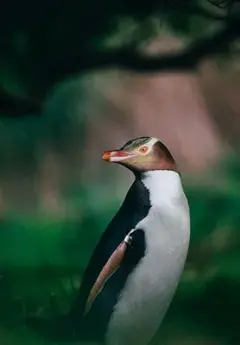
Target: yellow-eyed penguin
(136,267)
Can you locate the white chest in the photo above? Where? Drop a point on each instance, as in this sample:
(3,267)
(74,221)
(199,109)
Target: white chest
(150,288)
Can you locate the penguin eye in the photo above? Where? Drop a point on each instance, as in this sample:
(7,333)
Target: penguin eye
(143,149)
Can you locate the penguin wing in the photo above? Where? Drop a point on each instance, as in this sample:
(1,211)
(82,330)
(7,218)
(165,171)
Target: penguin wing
(135,242)
(111,266)
(109,243)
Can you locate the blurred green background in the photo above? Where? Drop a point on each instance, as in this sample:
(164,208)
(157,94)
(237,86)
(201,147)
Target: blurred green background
(56,196)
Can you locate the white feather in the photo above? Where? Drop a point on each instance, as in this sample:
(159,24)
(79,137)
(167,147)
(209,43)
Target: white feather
(151,286)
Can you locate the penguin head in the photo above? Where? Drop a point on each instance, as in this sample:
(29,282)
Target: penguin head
(142,154)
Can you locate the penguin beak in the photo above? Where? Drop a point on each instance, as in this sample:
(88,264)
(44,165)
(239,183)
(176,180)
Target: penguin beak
(116,156)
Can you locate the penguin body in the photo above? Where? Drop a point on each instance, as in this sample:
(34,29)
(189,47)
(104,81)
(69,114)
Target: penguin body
(137,264)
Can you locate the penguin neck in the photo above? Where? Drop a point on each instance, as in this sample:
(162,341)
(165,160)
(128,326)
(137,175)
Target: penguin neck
(164,186)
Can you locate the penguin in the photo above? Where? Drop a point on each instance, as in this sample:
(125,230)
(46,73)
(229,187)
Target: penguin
(137,264)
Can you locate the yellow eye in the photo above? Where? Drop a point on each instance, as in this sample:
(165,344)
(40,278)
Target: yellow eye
(143,149)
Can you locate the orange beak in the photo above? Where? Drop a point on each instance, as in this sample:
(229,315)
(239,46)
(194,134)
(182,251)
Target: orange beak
(115,156)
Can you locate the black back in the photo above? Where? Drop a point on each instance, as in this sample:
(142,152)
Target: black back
(134,208)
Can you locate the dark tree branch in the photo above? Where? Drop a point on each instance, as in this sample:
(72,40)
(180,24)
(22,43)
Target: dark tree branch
(223,4)
(187,59)
(183,60)
(199,11)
